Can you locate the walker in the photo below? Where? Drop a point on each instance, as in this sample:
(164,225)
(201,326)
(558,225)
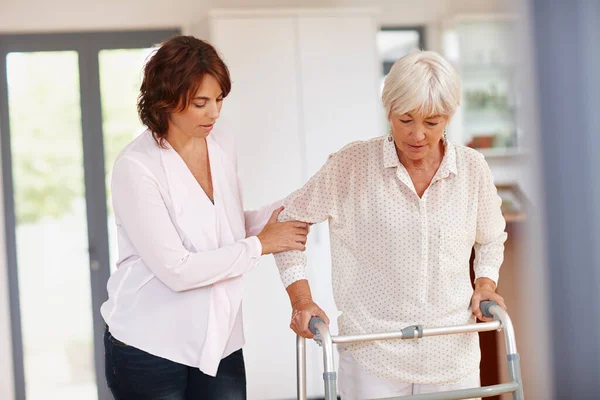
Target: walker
(488,308)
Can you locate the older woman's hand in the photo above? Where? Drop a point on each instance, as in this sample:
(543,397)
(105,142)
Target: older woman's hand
(301,315)
(485,289)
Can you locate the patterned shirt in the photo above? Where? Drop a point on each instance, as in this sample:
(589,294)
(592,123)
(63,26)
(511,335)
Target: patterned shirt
(399,259)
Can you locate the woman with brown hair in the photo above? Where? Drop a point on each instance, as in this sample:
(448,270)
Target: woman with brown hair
(174,320)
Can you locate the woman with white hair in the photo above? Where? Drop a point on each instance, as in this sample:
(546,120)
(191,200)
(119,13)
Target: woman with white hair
(404,213)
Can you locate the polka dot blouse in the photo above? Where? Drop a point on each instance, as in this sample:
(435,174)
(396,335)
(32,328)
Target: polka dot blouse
(399,260)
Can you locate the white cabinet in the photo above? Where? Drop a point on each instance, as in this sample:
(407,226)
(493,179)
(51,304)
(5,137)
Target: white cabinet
(486,53)
(305,83)
(262,109)
(340,77)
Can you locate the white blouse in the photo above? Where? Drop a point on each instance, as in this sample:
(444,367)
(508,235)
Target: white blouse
(177,290)
(400,260)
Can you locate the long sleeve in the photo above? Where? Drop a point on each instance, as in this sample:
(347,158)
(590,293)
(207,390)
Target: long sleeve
(315,202)
(257,219)
(490,235)
(142,214)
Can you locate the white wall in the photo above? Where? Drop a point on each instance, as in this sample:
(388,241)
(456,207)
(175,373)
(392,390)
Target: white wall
(34,16)
(69,15)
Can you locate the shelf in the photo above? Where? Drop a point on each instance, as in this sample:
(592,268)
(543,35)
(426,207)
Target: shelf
(475,68)
(514,217)
(494,113)
(502,152)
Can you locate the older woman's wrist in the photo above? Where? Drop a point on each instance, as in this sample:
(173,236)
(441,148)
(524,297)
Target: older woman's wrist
(299,302)
(485,283)
(299,293)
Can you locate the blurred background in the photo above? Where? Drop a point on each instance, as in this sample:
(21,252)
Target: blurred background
(307,77)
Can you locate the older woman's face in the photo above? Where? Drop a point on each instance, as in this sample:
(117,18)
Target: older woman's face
(417,136)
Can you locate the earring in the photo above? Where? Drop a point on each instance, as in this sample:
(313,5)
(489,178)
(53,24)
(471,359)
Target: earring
(445,137)
(390,138)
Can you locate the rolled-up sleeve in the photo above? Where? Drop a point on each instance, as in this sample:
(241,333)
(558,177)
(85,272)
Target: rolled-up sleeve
(490,235)
(313,203)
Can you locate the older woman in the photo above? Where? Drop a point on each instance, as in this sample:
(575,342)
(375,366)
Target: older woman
(174,315)
(404,212)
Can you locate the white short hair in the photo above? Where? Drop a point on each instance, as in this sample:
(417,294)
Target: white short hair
(422,82)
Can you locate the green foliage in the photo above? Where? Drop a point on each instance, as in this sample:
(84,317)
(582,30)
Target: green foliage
(45,120)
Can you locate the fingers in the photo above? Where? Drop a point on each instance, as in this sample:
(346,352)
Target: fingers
(297,246)
(301,320)
(324,316)
(300,324)
(500,300)
(475,302)
(275,215)
(484,296)
(300,231)
(294,224)
(478,297)
(300,239)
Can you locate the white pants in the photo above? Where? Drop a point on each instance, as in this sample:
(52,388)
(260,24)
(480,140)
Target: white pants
(354,383)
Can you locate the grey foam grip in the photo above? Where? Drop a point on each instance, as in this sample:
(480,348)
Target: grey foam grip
(484,306)
(311,324)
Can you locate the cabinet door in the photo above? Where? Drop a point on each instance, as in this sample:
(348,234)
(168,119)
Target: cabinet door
(340,74)
(261,111)
(262,114)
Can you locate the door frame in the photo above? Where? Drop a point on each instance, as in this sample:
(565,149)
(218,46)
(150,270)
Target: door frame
(88,45)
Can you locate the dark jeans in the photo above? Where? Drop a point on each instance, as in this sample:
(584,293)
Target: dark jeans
(133,374)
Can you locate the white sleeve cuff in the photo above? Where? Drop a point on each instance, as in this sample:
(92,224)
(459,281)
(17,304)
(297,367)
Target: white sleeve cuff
(255,246)
(293,274)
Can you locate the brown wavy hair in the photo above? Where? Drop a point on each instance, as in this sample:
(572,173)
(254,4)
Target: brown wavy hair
(172,77)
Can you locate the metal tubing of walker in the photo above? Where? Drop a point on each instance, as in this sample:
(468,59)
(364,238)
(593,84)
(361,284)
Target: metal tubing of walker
(512,355)
(329,373)
(501,321)
(485,391)
(507,327)
(301,367)
(447,330)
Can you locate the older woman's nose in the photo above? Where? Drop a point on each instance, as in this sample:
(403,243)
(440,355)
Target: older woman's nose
(419,133)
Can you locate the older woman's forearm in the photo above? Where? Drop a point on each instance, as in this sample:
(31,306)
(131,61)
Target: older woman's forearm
(299,293)
(489,257)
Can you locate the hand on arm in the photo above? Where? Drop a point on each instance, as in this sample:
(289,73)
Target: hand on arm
(282,236)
